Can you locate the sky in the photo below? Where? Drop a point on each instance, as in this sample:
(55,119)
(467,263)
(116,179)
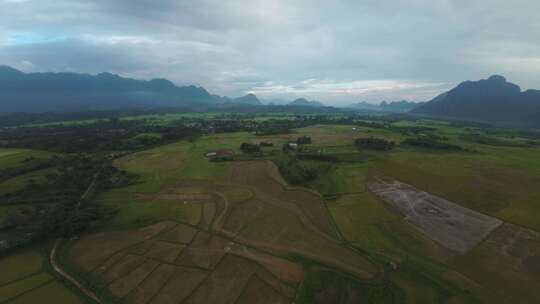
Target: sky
(337,52)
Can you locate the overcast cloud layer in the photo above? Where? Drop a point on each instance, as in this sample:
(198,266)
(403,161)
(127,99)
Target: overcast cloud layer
(338,52)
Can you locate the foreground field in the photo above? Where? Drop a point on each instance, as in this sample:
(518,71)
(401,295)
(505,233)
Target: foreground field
(246,241)
(25,280)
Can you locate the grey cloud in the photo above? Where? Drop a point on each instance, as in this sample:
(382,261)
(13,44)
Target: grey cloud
(237,46)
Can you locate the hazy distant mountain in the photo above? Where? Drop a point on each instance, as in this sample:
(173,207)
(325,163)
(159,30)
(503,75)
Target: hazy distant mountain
(249,99)
(275,102)
(393,106)
(493,99)
(363,105)
(37,92)
(305,103)
(399,106)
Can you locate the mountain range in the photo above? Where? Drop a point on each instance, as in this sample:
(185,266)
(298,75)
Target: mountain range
(305,103)
(37,92)
(491,100)
(41,92)
(402,106)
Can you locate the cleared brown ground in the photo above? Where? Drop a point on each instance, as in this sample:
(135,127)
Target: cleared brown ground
(447,223)
(182,234)
(258,291)
(152,284)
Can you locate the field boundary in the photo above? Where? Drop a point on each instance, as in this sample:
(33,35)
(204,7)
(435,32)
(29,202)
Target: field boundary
(66,276)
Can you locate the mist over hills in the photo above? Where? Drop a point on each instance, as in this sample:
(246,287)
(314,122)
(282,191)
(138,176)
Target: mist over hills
(402,106)
(493,100)
(36,92)
(43,92)
(249,99)
(305,103)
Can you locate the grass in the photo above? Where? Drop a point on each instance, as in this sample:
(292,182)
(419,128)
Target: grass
(19,182)
(162,168)
(488,183)
(10,158)
(14,289)
(326,286)
(24,278)
(53,290)
(19,265)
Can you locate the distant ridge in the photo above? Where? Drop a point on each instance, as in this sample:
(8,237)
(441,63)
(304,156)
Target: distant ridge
(38,92)
(249,99)
(402,106)
(493,100)
(305,103)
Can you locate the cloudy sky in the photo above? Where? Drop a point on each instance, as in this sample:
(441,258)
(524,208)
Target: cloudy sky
(334,51)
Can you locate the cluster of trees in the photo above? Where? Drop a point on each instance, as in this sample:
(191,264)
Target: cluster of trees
(266,144)
(103,135)
(374,143)
(494,141)
(294,171)
(304,140)
(28,165)
(61,204)
(250,148)
(320,157)
(427,142)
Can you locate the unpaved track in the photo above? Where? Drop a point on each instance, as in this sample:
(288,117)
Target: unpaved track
(66,276)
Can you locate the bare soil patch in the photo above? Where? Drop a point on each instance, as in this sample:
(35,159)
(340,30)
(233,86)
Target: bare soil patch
(258,291)
(226,283)
(165,252)
(447,223)
(109,263)
(180,286)
(285,270)
(182,234)
(91,251)
(205,251)
(151,285)
(122,268)
(208,214)
(121,287)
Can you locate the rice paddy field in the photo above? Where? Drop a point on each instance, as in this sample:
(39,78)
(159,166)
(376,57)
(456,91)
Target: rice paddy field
(25,279)
(194,231)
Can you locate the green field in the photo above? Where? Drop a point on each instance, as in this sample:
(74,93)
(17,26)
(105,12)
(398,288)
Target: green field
(24,278)
(10,158)
(162,168)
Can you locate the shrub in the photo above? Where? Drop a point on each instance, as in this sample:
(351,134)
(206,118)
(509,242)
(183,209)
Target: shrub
(249,148)
(374,143)
(304,140)
(430,143)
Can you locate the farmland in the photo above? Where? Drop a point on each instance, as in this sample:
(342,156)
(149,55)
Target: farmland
(323,223)
(25,279)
